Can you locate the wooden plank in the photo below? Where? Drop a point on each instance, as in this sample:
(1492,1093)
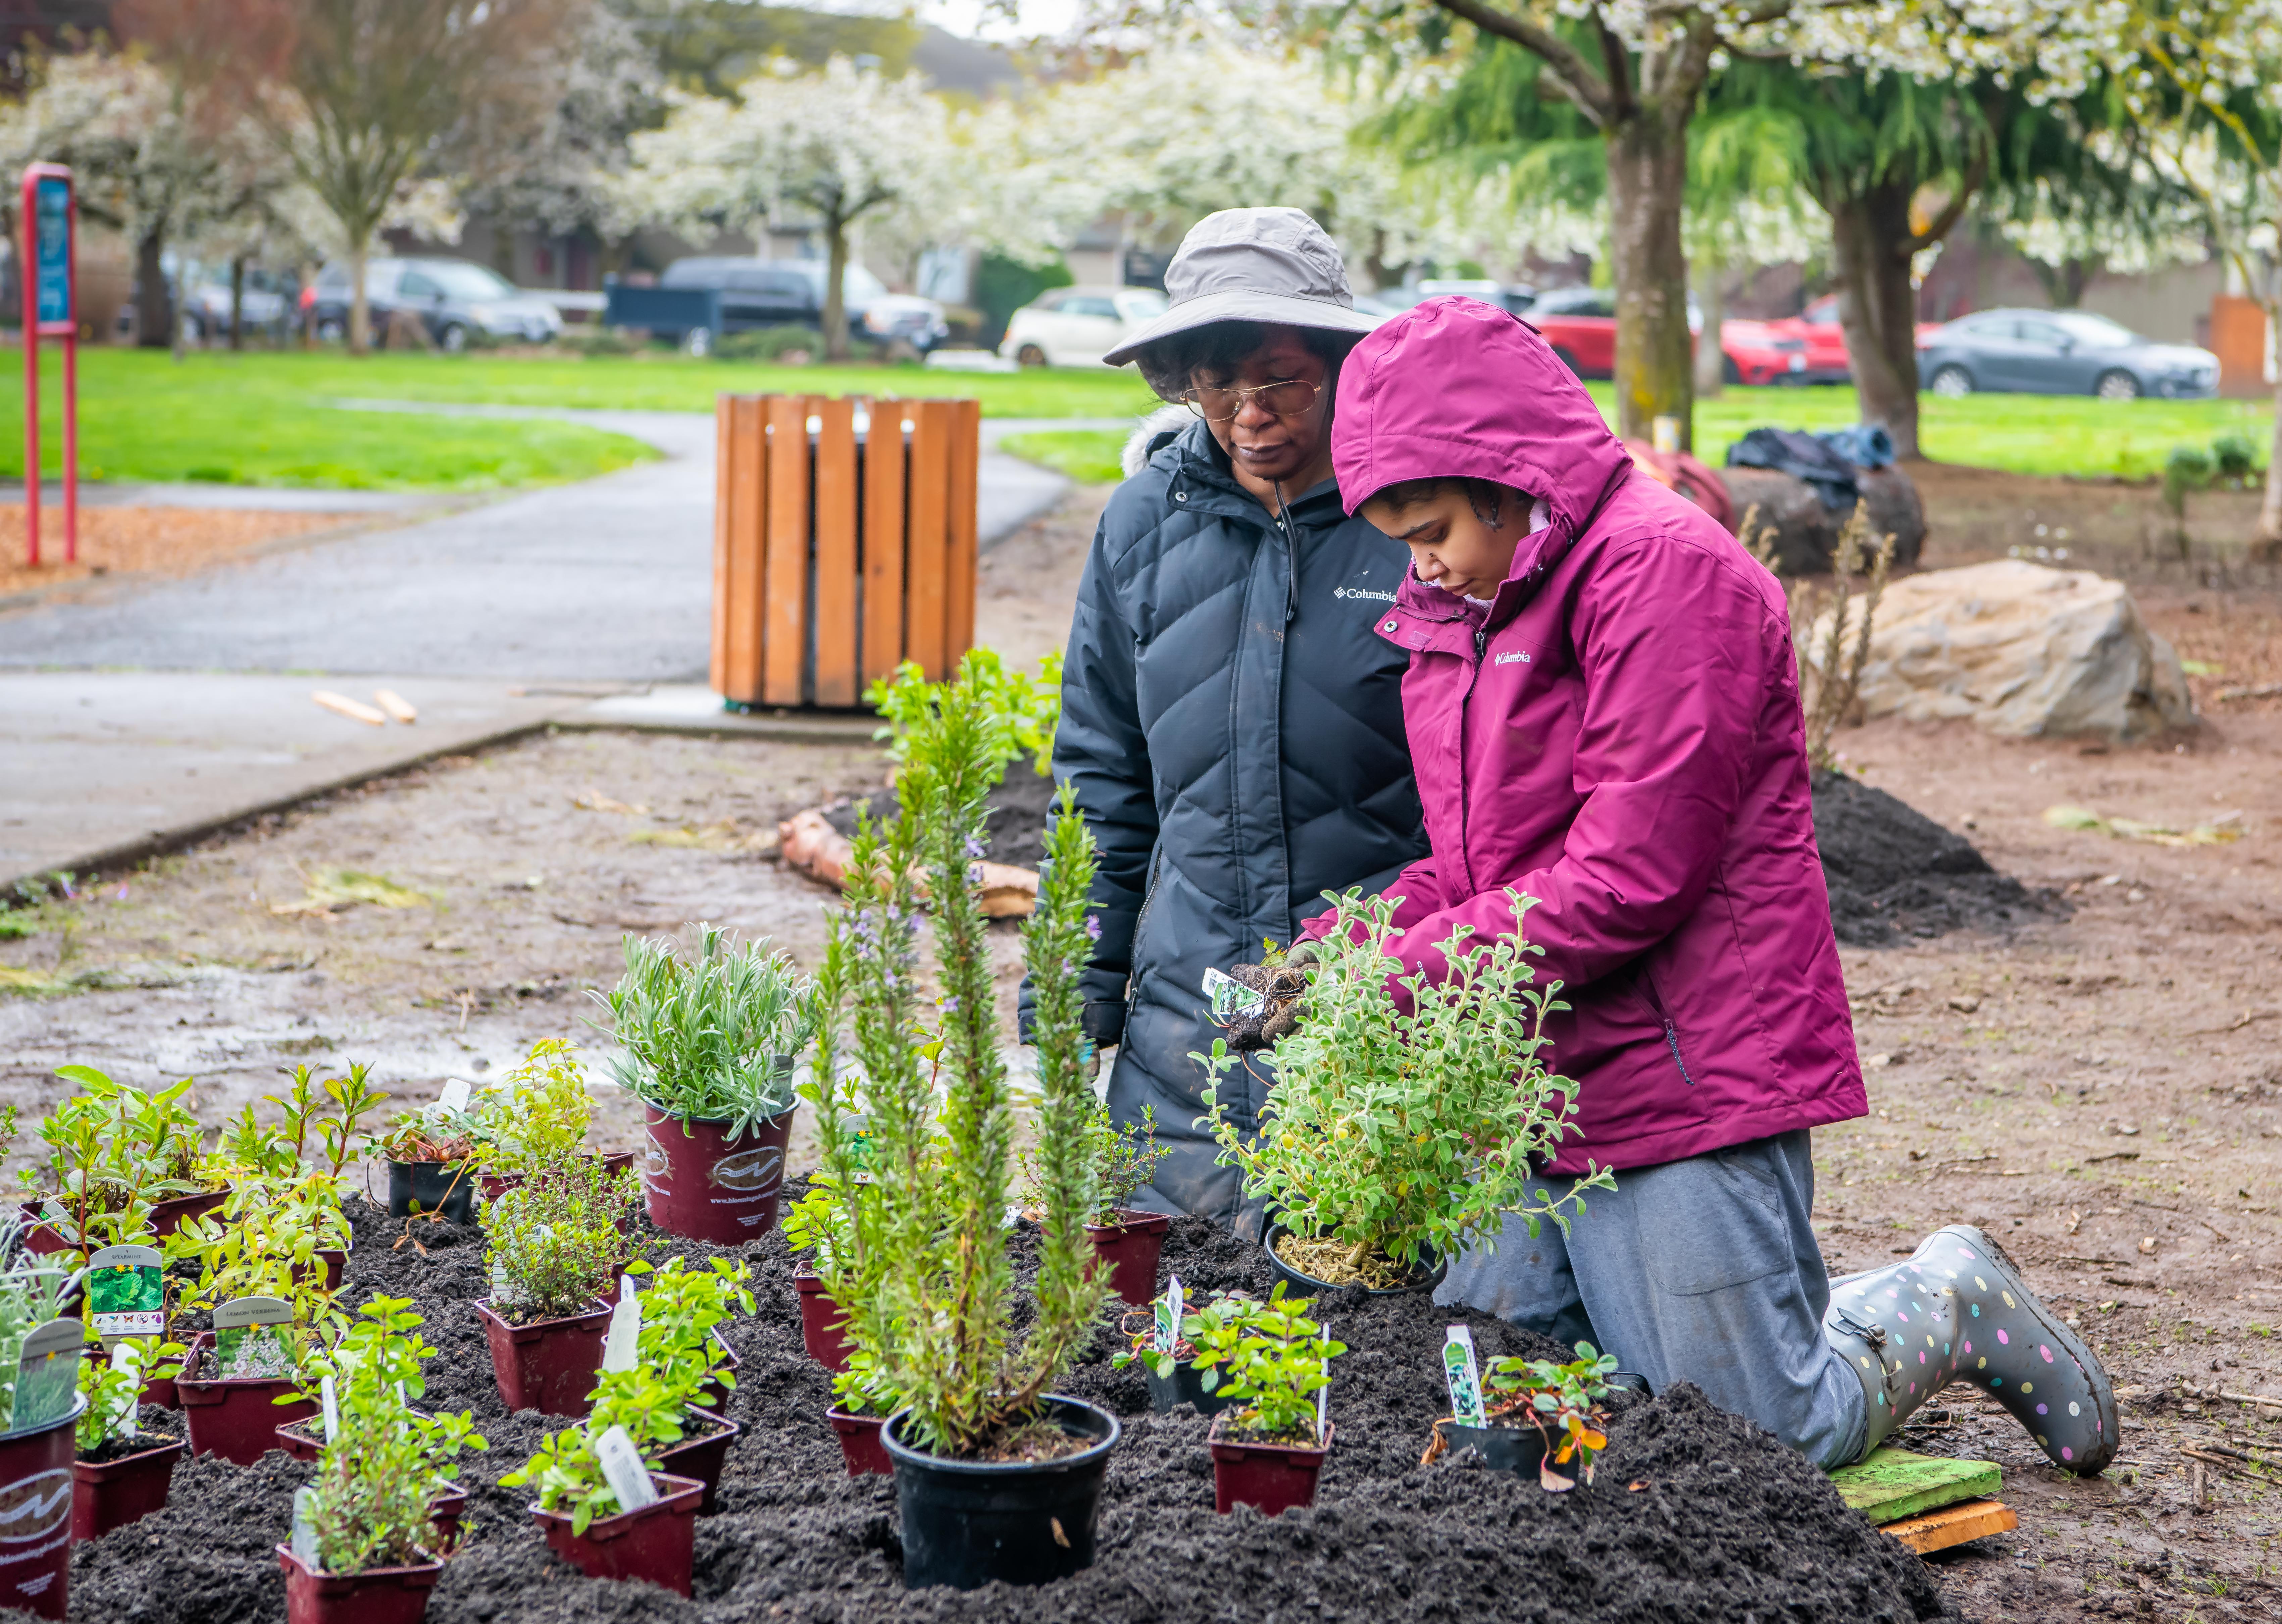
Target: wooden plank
(784,569)
(926,551)
(1953,1525)
(883,540)
(742,588)
(725,416)
(959,583)
(835,553)
(1897,1482)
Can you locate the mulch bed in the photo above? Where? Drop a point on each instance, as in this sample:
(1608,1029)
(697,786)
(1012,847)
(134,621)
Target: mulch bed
(1894,873)
(1015,815)
(1695,1516)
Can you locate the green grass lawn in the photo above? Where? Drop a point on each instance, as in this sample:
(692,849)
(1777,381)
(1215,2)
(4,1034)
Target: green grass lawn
(1089,456)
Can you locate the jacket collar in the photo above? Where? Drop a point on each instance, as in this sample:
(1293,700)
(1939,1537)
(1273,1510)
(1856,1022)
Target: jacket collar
(1201,481)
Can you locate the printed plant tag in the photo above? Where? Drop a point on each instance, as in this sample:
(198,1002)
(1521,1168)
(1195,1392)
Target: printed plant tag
(304,1526)
(127,1356)
(622,1467)
(47,1378)
(249,1342)
(619,1348)
(1464,1377)
(1169,1316)
(127,1291)
(455,1094)
(332,1408)
(1229,998)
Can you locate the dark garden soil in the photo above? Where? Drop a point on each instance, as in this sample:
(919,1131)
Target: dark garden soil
(1017,815)
(1894,872)
(1695,1517)
(154,1425)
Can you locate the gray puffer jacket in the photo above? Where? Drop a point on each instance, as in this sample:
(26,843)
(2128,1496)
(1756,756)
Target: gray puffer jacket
(1235,736)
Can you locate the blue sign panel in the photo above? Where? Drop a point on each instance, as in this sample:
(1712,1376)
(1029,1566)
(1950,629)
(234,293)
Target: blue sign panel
(51,252)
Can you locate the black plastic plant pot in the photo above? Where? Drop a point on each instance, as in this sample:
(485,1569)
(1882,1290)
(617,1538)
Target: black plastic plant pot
(1520,1448)
(1184,1386)
(439,1187)
(1308,1286)
(967,1522)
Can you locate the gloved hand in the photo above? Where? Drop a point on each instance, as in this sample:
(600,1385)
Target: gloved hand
(1282,985)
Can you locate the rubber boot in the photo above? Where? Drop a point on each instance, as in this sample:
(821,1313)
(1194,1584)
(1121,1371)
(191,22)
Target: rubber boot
(1959,1308)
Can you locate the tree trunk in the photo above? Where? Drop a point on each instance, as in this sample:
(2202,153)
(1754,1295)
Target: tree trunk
(238,302)
(359,305)
(1648,172)
(1870,239)
(835,288)
(154,309)
(1710,359)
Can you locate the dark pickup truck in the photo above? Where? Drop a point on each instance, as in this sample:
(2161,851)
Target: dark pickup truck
(701,299)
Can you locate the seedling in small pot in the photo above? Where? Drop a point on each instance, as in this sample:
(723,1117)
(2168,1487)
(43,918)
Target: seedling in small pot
(1161,1345)
(1273,1362)
(555,1249)
(535,1115)
(434,1158)
(603,1501)
(1127,1243)
(320,1122)
(265,1242)
(121,1162)
(121,1472)
(1396,1137)
(1555,1408)
(682,1311)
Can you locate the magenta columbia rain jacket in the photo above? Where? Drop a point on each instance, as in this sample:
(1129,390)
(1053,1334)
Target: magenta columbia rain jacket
(1619,736)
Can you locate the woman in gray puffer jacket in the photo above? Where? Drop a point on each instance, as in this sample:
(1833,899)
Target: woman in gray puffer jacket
(1232,723)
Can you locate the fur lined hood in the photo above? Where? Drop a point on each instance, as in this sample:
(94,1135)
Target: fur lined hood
(1151,432)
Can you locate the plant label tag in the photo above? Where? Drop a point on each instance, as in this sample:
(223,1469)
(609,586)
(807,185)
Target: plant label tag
(47,1378)
(1169,1316)
(1464,1377)
(622,1467)
(332,1407)
(127,1291)
(1229,998)
(126,1358)
(1322,1410)
(246,1341)
(455,1096)
(305,1527)
(624,1338)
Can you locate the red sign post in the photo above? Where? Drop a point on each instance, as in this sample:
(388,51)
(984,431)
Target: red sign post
(50,277)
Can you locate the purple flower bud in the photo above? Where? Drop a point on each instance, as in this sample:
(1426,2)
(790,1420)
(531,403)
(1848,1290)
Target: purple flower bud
(973,846)
(1093,927)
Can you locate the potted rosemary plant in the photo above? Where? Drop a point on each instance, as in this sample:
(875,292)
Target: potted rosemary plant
(1401,1125)
(1273,1363)
(996,1476)
(710,1039)
(555,1253)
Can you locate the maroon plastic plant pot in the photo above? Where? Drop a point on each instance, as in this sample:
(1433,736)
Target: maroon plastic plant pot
(37,1495)
(697,1185)
(1130,1249)
(236,1420)
(447,1506)
(548,1366)
(377,1596)
(111,1494)
(166,1216)
(1274,1477)
(821,1325)
(702,1455)
(657,1542)
(45,1241)
(859,1442)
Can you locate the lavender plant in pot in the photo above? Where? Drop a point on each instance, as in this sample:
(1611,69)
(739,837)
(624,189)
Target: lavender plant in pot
(709,1037)
(39,1405)
(1405,1115)
(996,1476)
(1273,1362)
(555,1251)
(123,1463)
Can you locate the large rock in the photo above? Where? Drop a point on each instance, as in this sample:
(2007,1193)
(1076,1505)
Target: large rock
(2024,651)
(1806,531)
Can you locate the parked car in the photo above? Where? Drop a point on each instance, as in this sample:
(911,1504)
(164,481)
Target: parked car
(1077,327)
(701,299)
(1761,352)
(454,299)
(205,312)
(1393,301)
(2060,352)
(1817,329)
(1580,324)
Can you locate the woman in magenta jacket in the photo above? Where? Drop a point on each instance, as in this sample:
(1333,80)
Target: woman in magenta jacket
(1603,714)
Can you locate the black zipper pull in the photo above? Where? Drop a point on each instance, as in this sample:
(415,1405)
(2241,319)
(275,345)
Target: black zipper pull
(1481,642)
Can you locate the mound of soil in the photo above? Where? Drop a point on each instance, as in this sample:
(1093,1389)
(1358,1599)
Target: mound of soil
(1694,1515)
(1016,816)
(1893,872)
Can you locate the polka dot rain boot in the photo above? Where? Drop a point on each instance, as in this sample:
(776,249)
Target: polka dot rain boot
(1959,1310)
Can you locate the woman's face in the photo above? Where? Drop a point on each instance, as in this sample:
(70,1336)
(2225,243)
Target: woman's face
(1451,545)
(1266,447)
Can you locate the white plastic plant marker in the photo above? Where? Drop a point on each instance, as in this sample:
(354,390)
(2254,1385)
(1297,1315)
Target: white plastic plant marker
(455,1096)
(623,1469)
(1464,1377)
(127,1356)
(305,1527)
(1169,1316)
(1229,997)
(619,1348)
(332,1408)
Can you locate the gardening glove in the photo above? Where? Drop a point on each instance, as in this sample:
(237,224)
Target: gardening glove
(1281,986)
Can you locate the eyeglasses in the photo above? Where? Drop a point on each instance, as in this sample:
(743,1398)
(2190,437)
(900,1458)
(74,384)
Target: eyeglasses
(1289,399)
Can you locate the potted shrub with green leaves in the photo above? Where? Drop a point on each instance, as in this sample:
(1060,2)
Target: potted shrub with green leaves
(555,1253)
(997,1477)
(536,1115)
(1399,1130)
(40,1404)
(1540,1416)
(710,1039)
(1274,1363)
(603,1503)
(121,1471)
(307,1154)
(810,1225)
(122,1164)
(1128,1241)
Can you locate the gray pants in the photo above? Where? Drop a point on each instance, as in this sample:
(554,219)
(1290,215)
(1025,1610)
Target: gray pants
(1703,1271)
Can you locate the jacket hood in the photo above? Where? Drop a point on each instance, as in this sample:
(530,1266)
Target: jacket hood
(1455,388)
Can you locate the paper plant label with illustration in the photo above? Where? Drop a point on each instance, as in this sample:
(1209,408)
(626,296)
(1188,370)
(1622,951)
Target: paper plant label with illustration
(47,1376)
(1229,998)
(253,1339)
(126,1292)
(1464,1377)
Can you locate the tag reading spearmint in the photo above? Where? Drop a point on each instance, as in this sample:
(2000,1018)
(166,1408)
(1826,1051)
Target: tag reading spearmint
(455,1096)
(304,1526)
(618,1349)
(1229,998)
(621,1466)
(1464,1377)
(1169,1316)
(332,1409)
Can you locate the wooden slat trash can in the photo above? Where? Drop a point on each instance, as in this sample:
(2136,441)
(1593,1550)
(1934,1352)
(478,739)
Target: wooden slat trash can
(844,544)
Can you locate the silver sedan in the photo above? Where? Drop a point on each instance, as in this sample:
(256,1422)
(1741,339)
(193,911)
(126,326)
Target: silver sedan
(2061,352)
